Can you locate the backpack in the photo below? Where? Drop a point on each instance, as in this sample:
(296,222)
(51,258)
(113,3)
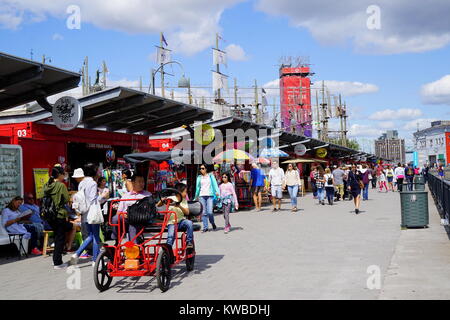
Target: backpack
(49,212)
(330,180)
(142,211)
(410,171)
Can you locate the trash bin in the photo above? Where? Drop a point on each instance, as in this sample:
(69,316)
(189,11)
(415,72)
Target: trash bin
(414,207)
(419,183)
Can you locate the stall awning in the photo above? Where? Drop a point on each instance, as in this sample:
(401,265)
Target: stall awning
(126,110)
(305,161)
(158,156)
(135,111)
(23,81)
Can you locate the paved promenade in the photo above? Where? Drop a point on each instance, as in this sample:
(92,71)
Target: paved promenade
(321,252)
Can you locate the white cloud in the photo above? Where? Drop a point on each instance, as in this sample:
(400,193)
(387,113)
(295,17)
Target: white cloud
(57,36)
(359,130)
(437,92)
(347,88)
(405,25)
(399,114)
(423,123)
(189,26)
(235,52)
(9,18)
(387,125)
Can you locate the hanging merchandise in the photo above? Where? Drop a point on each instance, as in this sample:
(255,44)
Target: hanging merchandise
(110,156)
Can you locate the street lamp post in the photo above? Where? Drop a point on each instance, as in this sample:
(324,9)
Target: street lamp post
(182,83)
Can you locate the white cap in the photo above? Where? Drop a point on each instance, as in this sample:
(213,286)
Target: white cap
(78,173)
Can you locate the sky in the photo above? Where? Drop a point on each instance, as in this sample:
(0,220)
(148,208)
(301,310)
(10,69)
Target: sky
(389,59)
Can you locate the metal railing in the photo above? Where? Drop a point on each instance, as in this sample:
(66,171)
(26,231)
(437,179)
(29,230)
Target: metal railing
(440,190)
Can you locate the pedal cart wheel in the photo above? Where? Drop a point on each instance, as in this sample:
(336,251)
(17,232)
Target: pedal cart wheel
(163,270)
(102,279)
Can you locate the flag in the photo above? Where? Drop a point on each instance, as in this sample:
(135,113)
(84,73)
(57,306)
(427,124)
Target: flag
(219,57)
(163,56)
(164,39)
(264,91)
(220,81)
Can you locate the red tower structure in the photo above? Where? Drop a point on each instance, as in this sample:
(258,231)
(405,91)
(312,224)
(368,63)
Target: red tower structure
(295,96)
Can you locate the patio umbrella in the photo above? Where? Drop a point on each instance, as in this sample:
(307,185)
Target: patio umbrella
(231,155)
(272,153)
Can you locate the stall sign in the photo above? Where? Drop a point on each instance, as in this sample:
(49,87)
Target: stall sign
(98,146)
(300,149)
(204,134)
(67,113)
(321,153)
(41,177)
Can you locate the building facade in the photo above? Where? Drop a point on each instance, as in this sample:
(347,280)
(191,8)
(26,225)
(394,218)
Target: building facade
(390,146)
(433,144)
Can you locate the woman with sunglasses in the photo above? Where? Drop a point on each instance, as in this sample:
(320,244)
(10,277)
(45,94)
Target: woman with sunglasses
(229,199)
(206,192)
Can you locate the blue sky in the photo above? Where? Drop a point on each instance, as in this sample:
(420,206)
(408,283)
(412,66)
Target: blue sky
(393,60)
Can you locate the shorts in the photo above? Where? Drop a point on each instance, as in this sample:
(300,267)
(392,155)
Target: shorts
(390,179)
(277,192)
(257,189)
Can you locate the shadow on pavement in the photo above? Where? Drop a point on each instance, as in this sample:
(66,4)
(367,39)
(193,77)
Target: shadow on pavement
(149,284)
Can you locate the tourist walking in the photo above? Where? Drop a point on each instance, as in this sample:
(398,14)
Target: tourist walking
(90,189)
(59,195)
(329,186)
(355,184)
(206,192)
(399,174)
(441,172)
(373,176)
(424,172)
(365,179)
(338,176)
(292,182)
(320,184)
(257,185)
(382,181)
(276,179)
(390,178)
(312,176)
(409,176)
(228,198)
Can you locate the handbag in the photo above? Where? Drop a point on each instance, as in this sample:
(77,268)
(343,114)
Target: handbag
(95,215)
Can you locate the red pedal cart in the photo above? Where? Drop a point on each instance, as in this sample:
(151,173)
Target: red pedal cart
(152,256)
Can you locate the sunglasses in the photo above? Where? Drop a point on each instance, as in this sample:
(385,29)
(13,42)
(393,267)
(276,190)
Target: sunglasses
(202,168)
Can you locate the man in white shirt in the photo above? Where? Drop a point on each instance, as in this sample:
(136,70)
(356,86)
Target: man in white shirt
(276,178)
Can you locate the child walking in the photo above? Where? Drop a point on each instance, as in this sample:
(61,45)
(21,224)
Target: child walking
(382,181)
(229,199)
